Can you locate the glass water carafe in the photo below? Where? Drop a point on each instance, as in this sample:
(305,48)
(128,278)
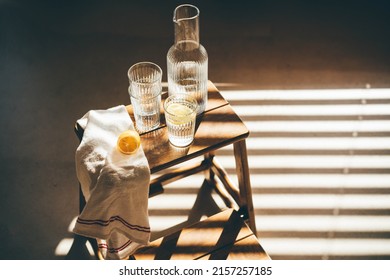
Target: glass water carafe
(187,59)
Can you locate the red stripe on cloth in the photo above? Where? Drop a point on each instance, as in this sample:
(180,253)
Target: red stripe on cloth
(113,219)
(115,250)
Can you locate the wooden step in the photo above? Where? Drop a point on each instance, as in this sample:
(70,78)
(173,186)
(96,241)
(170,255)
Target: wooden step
(222,236)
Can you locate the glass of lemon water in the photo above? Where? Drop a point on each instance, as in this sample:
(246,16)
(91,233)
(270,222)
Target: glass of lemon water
(180,115)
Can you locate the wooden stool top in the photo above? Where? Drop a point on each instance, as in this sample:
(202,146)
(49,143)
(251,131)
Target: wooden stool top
(217,127)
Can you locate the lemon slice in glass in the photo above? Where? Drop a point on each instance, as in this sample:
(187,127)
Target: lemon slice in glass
(180,114)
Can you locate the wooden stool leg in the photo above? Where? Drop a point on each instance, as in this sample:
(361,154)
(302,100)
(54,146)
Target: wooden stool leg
(209,174)
(242,168)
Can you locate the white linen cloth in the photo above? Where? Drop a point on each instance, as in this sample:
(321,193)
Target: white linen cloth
(115,185)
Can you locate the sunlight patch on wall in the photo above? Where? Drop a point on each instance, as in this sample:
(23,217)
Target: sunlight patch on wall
(308,94)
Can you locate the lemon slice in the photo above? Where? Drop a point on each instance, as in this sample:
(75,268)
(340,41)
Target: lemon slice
(180,114)
(179,109)
(128,142)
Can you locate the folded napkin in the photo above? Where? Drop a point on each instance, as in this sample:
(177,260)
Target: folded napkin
(115,185)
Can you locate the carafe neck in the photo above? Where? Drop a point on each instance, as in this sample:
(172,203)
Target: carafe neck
(186,21)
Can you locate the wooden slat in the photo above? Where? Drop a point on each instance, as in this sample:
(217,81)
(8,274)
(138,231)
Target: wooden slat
(180,173)
(247,248)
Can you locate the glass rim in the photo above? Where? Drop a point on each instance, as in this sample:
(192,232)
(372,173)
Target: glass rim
(147,64)
(186,18)
(182,96)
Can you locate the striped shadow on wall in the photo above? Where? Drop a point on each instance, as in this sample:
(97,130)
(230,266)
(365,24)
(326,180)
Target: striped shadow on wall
(320,170)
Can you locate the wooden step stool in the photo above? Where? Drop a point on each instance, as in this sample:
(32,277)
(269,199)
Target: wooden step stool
(216,128)
(224,236)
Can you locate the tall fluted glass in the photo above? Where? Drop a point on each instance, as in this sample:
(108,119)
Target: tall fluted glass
(145,94)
